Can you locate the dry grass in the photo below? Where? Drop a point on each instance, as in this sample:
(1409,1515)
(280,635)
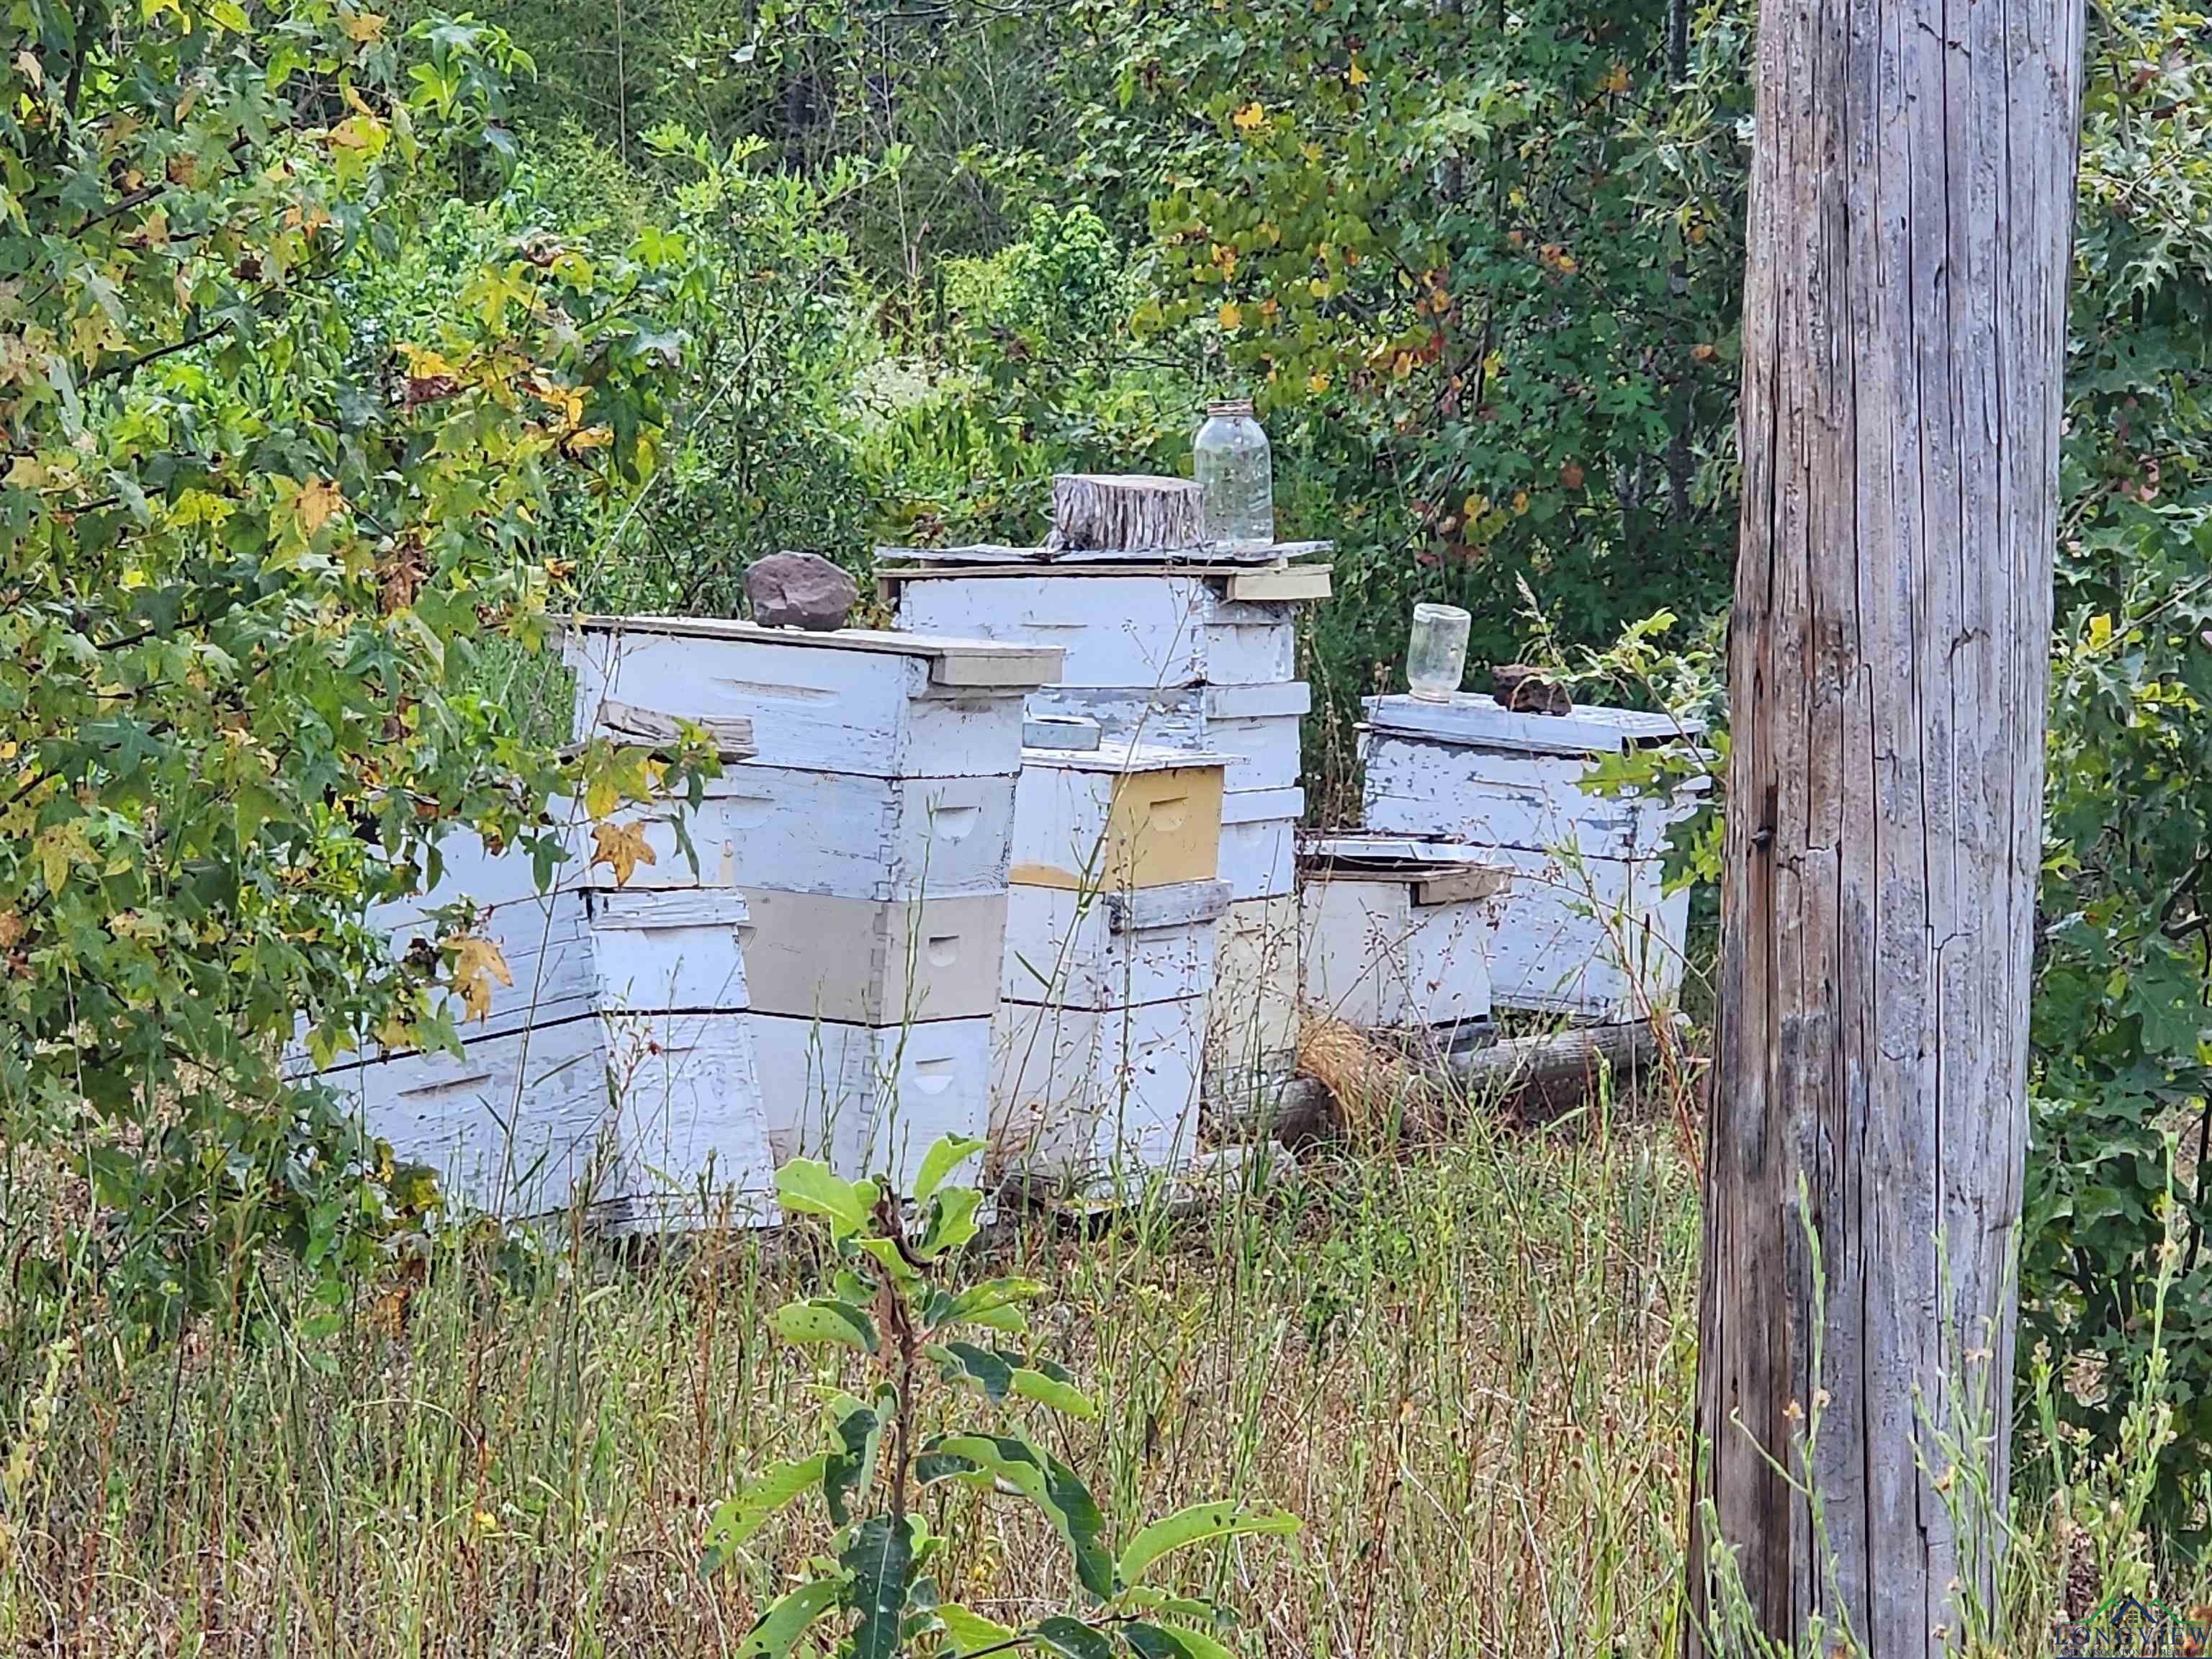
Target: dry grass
(1467,1367)
(1467,1374)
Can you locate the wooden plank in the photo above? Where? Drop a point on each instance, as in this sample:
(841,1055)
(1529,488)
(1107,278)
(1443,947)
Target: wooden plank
(731,734)
(931,647)
(910,564)
(1471,717)
(1301,582)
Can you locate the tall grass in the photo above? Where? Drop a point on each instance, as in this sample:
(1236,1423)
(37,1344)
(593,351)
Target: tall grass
(1466,1366)
(1466,1371)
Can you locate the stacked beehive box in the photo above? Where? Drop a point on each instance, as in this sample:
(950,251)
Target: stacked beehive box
(1110,959)
(1589,928)
(1398,936)
(870,840)
(611,1062)
(1185,652)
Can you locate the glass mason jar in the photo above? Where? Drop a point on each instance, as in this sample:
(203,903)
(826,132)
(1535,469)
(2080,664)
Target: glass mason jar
(1235,477)
(1436,655)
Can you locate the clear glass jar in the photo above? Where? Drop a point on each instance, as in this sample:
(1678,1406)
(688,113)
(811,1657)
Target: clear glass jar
(1235,477)
(1436,655)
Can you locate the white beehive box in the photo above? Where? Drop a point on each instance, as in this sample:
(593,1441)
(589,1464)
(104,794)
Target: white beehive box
(1105,951)
(870,839)
(1105,1097)
(1396,938)
(881,705)
(617,1071)
(1587,929)
(872,1097)
(1124,628)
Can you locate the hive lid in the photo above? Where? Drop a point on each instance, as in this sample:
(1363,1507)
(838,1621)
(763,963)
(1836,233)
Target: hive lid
(1371,850)
(1120,755)
(955,662)
(1474,719)
(993,553)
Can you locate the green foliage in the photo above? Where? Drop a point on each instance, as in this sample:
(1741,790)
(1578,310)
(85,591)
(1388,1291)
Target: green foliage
(249,556)
(892,1297)
(2124,960)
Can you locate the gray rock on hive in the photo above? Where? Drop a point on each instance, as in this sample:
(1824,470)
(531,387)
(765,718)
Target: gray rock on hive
(799,590)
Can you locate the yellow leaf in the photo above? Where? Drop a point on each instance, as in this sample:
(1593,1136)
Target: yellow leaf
(1355,75)
(1251,118)
(318,499)
(623,846)
(1617,81)
(1473,506)
(1520,501)
(1317,382)
(364,27)
(1231,318)
(477,963)
(57,846)
(2101,632)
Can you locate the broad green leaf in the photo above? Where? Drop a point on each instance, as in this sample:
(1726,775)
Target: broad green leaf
(1071,1639)
(825,1319)
(877,1563)
(1172,1642)
(849,1469)
(1048,1390)
(812,1188)
(788,1619)
(995,1303)
(947,1154)
(1196,1525)
(1053,1487)
(964,1362)
(969,1630)
(738,1517)
(951,1223)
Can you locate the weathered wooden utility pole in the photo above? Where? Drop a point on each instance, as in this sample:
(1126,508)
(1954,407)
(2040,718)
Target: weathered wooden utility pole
(1904,305)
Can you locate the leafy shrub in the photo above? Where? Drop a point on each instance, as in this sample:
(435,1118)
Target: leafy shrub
(892,1303)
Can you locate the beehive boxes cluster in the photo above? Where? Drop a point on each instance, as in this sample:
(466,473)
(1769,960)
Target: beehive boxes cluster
(1587,928)
(1109,960)
(1185,654)
(610,1063)
(870,840)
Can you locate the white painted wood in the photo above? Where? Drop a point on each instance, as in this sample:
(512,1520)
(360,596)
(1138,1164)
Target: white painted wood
(1256,726)
(844,834)
(872,1100)
(1123,815)
(1494,797)
(954,661)
(1119,631)
(870,962)
(1375,957)
(1252,1021)
(815,701)
(1259,841)
(1598,939)
(1097,1093)
(909,563)
(618,1115)
(1471,717)
(1111,950)
(661,951)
